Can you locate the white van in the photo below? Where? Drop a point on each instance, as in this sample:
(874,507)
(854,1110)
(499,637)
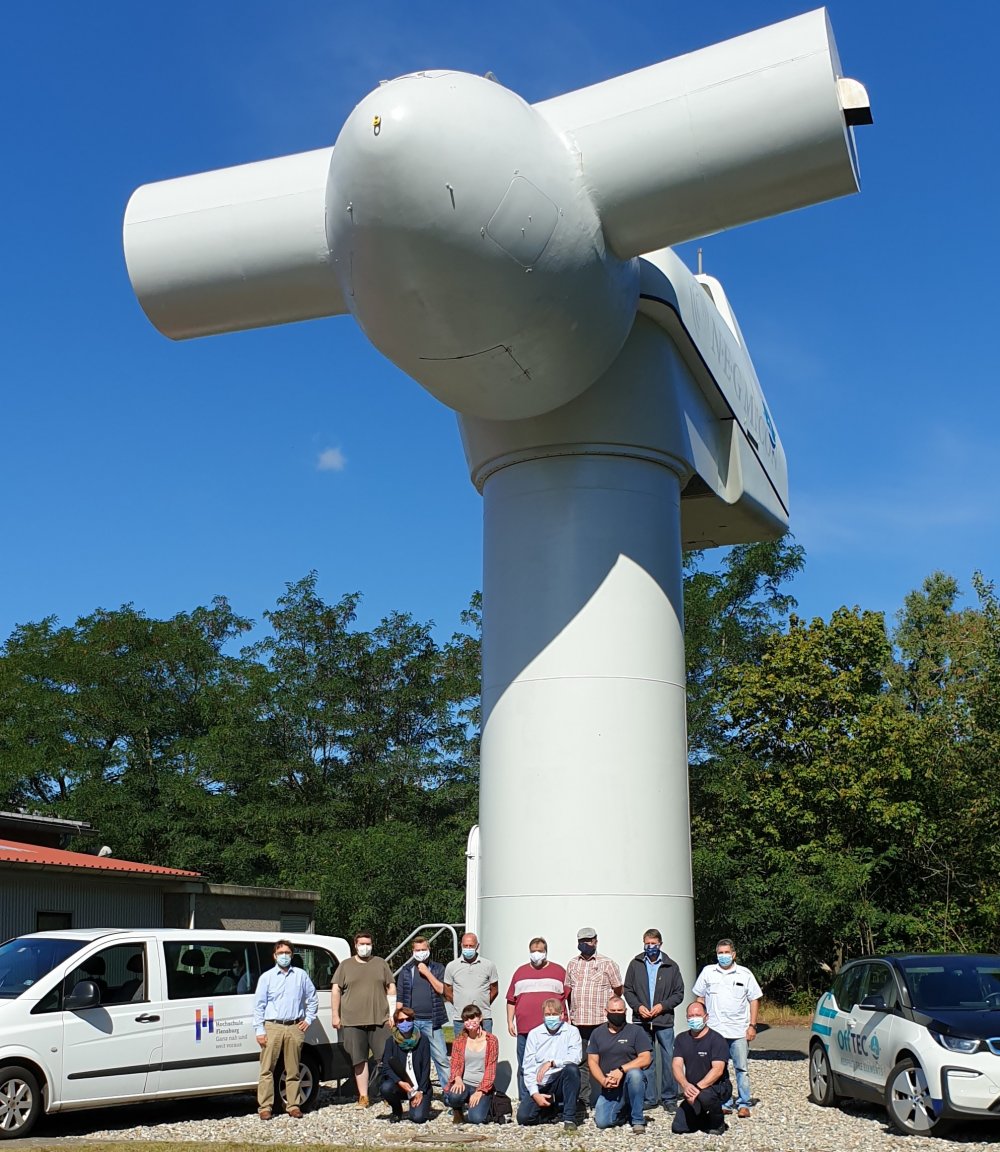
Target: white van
(94,1017)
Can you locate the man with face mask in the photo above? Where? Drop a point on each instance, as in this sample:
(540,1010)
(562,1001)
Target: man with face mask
(591,979)
(653,989)
(731,996)
(471,979)
(420,986)
(530,986)
(284,1006)
(701,1058)
(359,1002)
(617,1054)
(551,1069)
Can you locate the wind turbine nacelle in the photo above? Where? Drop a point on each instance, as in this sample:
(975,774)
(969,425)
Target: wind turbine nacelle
(467,247)
(487,246)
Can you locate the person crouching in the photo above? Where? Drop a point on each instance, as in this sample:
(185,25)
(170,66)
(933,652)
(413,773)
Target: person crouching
(473,1069)
(406,1069)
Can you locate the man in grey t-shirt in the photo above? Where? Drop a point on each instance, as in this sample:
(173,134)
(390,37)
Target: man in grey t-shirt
(471,979)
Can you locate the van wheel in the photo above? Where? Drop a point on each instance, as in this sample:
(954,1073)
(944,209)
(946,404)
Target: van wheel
(308,1081)
(908,1102)
(20,1101)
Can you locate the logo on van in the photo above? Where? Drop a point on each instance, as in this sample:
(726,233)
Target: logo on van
(204,1022)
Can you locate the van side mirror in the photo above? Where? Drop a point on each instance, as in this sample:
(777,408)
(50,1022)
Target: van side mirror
(86,994)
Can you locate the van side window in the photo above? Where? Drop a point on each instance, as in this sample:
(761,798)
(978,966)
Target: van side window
(207,968)
(119,972)
(318,963)
(847,986)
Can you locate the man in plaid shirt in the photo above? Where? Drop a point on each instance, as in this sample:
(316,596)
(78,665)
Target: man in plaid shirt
(591,981)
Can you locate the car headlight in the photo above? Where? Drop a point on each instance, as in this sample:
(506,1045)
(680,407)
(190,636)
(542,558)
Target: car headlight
(957,1043)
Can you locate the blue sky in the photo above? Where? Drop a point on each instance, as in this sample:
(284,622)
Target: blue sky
(137,469)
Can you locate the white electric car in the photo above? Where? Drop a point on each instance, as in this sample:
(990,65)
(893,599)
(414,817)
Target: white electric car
(919,1034)
(94,1017)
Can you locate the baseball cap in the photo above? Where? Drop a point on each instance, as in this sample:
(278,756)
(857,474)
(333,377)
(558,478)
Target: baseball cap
(586,934)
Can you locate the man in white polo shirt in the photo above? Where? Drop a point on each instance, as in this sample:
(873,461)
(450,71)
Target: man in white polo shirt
(731,996)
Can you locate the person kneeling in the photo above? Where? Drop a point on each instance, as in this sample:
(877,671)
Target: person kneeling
(551,1069)
(406,1069)
(473,1069)
(701,1059)
(616,1056)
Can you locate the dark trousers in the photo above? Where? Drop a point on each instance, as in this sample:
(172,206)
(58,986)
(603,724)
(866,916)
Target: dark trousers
(395,1097)
(586,1092)
(564,1089)
(705,1112)
(522,1092)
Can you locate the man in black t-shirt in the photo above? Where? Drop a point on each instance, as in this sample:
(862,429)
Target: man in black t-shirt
(617,1053)
(701,1059)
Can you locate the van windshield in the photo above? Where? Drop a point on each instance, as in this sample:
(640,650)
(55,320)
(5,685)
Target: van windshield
(953,983)
(27,959)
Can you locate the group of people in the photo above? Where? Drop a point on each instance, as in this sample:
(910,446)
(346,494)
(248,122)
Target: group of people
(575,1044)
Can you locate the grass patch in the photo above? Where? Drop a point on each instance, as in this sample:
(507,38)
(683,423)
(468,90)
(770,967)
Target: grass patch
(783,1016)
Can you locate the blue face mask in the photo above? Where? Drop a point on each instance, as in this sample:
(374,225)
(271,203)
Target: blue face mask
(468,953)
(696,1023)
(725,959)
(587,949)
(283,959)
(405,1027)
(552,1022)
(652,951)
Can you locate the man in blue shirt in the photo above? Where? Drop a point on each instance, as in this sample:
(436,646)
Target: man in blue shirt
(284,1006)
(653,989)
(551,1069)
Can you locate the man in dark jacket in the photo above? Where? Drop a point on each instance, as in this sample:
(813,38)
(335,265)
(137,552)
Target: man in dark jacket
(653,989)
(420,986)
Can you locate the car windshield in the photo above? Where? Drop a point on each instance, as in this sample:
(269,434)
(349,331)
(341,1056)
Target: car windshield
(954,983)
(27,959)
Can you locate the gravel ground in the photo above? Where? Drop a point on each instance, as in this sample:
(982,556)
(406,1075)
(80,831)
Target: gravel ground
(783,1121)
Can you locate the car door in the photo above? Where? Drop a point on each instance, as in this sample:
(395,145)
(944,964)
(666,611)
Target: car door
(864,1033)
(112,1051)
(208,1037)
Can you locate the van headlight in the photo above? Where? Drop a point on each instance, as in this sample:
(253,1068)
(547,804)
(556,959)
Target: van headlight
(957,1043)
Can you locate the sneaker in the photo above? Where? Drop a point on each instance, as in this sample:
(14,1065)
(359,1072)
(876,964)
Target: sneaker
(743,1112)
(648,1105)
(670,1107)
(362,1101)
(395,1117)
(638,1129)
(569,1126)
(727,1110)
(457,1116)
(720,1131)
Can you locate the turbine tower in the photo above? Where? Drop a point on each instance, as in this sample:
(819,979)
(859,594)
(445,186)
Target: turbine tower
(513,259)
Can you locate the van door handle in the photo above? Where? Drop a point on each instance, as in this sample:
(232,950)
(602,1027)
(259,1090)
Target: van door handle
(146,1018)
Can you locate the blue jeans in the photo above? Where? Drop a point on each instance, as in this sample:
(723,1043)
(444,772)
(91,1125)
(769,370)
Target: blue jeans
(739,1053)
(522,1092)
(564,1089)
(478,1113)
(439,1049)
(663,1040)
(611,1103)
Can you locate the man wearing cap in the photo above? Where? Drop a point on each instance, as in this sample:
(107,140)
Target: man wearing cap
(591,981)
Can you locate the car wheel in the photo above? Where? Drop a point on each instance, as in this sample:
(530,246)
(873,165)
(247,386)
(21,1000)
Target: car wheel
(821,1078)
(308,1081)
(908,1102)
(20,1101)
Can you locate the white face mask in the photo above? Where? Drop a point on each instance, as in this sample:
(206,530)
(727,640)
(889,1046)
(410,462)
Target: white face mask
(421,955)
(538,957)
(364,951)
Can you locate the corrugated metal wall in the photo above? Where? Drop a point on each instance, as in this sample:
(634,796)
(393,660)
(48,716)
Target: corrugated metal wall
(93,904)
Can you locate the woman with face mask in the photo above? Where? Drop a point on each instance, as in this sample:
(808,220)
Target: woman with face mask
(406,1069)
(473,1069)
